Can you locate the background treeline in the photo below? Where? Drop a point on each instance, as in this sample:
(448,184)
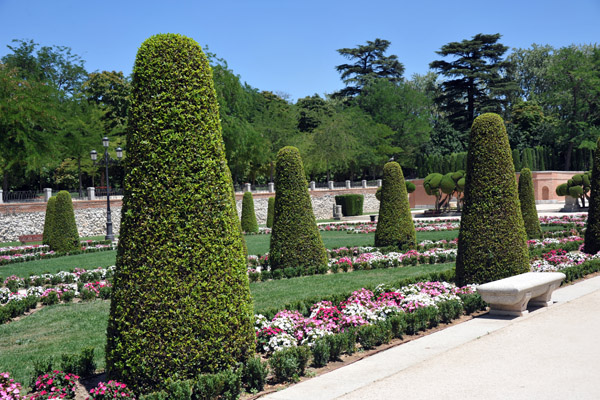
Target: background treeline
(53,112)
(539,158)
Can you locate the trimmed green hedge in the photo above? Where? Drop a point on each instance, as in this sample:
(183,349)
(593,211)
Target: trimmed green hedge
(295,239)
(352,204)
(249,224)
(592,232)
(270,212)
(181,302)
(528,209)
(395,225)
(63,236)
(492,243)
(48,219)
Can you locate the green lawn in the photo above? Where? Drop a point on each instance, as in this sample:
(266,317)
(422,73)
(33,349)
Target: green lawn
(68,328)
(53,265)
(257,244)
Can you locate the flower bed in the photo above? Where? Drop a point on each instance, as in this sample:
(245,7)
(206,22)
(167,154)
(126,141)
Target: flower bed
(86,247)
(363,307)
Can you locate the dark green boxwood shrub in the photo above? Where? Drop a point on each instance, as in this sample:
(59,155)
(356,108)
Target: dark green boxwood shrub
(337,345)
(320,353)
(289,364)
(49,217)
(295,239)
(63,229)
(181,301)
(395,225)
(370,336)
(492,243)
(352,204)
(270,211)
(449,310)
(254,374)
(592,231)
(249,224)
(528,209)
(398,325)
(225,385)
(472,303)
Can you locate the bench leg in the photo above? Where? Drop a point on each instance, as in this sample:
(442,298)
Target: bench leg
(513,310)
(545,299)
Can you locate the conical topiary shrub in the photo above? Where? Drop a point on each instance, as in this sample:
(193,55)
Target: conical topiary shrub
(295,239)
(48,218)
(492,241)
(528,209)
(249,224)
(181,301)
(270,211)
(63,228)
(592,231)
(395,226)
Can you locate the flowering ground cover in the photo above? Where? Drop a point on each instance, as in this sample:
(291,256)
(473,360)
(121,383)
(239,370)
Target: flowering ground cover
(363,307)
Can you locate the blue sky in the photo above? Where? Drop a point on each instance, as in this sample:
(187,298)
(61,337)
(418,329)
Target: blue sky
(290,46)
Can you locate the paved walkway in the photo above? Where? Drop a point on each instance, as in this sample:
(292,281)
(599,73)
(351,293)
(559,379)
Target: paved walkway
(550,353)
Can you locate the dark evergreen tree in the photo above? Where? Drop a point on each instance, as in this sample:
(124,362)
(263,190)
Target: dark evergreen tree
(63,228)
(270,212)
(592,231)
(492,243)
(477,79)
(370,62)
(528,209)
(249,224)
(295,239)
(181,301)
(395,225)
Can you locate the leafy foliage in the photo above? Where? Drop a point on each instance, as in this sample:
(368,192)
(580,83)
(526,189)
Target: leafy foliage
(492,239)
(352,204)
(528,209)
(270,211)
(592,231)
(181,301)
(249,224)
(63,228)
(295,239)
(48,220)
(395,226)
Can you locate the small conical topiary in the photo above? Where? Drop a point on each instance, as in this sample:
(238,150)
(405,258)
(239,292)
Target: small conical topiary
(492,243)
(270,211)
(295,239)
(63,228)
(49,217)
(181,302)
(395,226)
(592,231)
(528,209)
(249,224)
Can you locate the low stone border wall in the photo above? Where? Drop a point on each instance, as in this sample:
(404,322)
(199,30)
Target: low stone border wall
(18,219)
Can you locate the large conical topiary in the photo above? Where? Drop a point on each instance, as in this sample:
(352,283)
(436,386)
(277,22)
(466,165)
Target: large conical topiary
(63,228)
(492,241)
(592,231)
(270,211)
(295,239)
(528,209)
(249,224)
(48,218)
(395,226)
(181,301)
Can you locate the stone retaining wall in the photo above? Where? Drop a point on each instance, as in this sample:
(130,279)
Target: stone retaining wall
(18,219)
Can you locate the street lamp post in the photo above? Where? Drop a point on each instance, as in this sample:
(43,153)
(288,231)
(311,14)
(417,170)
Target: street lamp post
(107,160)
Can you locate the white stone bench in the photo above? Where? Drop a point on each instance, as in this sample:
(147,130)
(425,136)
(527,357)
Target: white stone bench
(510,296)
